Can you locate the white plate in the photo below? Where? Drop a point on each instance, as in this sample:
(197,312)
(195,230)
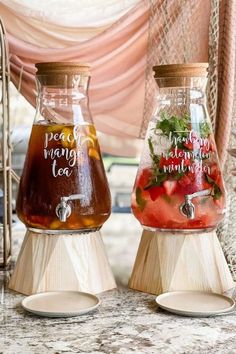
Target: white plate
(60,303)
(195,303)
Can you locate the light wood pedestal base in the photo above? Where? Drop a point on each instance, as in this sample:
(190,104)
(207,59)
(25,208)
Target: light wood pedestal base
(62,262)
(174,261)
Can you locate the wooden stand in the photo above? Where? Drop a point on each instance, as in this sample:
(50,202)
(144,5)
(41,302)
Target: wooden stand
(173,261)
(62,262)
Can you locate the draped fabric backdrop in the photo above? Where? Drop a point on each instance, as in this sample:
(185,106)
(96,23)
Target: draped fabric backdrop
(122,40)
(117,55)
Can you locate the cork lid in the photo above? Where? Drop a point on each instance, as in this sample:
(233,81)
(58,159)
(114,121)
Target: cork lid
(62,74)
(180,75)
(181,70)
(69,68)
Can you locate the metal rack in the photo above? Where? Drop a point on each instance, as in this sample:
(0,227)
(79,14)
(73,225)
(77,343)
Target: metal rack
(6,172)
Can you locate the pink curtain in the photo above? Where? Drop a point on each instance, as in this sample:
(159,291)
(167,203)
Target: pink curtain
(121,55)
(118,60)
(59,23)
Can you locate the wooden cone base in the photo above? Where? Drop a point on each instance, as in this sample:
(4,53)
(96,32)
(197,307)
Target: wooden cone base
(62,262)
(173,261)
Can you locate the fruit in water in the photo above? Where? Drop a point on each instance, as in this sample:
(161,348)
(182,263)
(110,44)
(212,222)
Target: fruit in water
(63,160)
(156,192)
(170,186)
(186,165)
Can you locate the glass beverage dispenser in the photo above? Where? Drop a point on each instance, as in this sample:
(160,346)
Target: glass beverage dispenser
(63,184)
(179,184)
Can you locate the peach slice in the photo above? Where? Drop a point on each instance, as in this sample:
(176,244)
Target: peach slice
(94,153)
(91,132)
(67,138)
(88,221)
(55,225)
(87,140)
(54,128)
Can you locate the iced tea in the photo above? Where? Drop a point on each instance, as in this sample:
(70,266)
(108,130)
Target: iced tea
(63,160)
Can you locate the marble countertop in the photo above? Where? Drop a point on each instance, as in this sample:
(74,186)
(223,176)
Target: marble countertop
(126,322)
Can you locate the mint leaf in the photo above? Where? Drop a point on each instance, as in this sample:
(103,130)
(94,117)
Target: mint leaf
(217,192)
(178,175)
(160,178)
(164,115)
(139,199)
(165,126)
(151,147)
(205,129)
(178,126)
(210,180)
(157,180)
(155,158)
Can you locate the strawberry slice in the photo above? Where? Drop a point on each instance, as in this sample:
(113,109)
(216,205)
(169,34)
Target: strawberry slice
(194,143)
(215,174)
(191,183)
(156,192)
(189,145)
(170,187)
(185,180)
(144,177)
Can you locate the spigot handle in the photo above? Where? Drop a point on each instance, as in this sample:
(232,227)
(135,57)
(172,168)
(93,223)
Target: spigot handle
(188,208)
(201,193)
(63,209)
(72,197)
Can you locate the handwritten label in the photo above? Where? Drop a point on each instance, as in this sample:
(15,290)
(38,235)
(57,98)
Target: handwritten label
(68,150)
(197,149)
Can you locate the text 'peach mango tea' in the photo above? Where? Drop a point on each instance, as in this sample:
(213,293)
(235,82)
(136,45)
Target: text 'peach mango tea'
(63,185)
(179,184)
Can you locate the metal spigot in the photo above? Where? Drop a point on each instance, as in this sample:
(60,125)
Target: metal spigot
(63,209)
(188,208)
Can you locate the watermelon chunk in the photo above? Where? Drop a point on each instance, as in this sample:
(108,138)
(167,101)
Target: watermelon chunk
(156,192)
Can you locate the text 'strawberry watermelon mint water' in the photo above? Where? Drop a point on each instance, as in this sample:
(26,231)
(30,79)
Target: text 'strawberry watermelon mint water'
(63,185)
(179,184)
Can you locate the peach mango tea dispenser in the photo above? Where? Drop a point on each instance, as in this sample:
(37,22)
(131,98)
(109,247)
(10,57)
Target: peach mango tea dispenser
(63,196)
(179,195)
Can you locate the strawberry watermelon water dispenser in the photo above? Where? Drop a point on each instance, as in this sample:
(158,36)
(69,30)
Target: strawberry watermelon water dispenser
(179,195)
(63,197)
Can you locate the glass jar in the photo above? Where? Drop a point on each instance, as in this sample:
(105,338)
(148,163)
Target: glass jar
(63,185)
(179,184)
